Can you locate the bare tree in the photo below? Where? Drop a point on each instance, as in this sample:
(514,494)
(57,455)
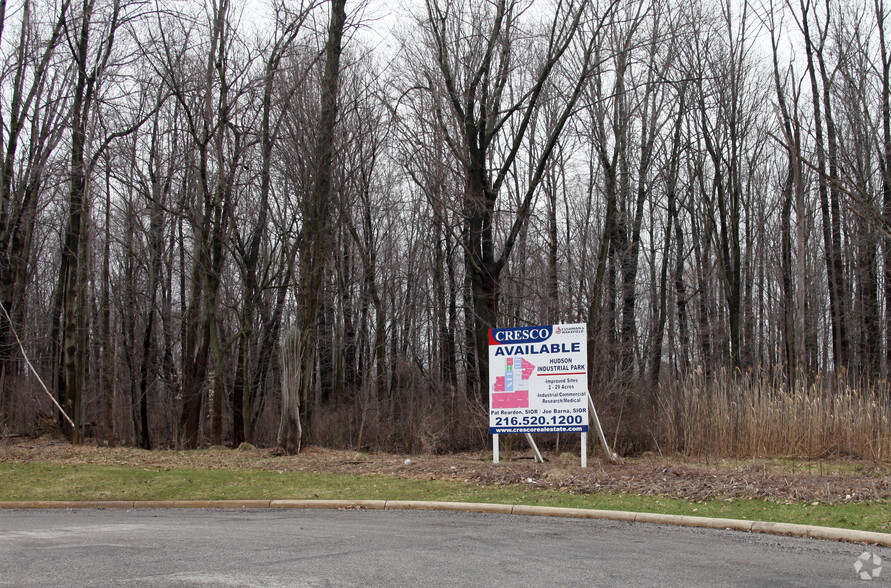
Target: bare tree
(484,102)
(253,364)
(314,246)
(827,175)
(211,85)
(91,37)
(881,15)
(35,116)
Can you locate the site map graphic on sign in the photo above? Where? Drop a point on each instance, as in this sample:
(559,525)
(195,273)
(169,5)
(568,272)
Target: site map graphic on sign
(512,389)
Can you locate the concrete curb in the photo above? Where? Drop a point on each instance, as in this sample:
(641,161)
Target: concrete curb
(811,531)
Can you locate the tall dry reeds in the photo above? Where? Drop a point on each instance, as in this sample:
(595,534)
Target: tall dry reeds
(731,414)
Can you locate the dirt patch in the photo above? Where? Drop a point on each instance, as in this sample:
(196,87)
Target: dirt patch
(782,481)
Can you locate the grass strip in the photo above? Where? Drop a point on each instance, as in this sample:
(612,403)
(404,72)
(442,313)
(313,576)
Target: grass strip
(19,482)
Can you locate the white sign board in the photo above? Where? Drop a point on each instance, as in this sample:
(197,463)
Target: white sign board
(538,379)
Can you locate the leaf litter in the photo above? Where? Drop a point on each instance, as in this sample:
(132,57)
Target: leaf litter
(837,481)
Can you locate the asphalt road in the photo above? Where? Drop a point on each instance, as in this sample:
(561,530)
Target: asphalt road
(181,547)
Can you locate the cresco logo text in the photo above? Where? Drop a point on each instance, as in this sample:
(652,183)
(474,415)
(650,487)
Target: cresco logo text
(522,335)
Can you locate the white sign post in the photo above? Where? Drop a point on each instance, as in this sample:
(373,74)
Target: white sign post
(538,382)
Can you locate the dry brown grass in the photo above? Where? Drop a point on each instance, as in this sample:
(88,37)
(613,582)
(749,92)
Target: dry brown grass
(734,415)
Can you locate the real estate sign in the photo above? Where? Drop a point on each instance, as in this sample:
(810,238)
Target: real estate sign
(538,379)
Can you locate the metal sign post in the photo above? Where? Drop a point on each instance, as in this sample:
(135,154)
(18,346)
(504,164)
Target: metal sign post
(609,454)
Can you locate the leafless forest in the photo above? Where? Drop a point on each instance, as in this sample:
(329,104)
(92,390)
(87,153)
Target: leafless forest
(277,224)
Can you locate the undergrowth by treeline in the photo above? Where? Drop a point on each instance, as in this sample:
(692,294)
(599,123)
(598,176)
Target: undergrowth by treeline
(724,415)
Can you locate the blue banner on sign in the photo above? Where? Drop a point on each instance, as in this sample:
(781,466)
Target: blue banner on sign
(520,335)
(563,429)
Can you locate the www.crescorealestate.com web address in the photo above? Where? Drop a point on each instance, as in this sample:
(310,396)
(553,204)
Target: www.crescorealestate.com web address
(504,430)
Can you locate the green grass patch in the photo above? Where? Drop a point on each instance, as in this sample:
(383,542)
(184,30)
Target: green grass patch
(39,481)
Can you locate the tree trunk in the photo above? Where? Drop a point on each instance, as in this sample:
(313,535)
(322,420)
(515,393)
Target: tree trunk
(885,164)
(316,243)
(74,235)
(829,210)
